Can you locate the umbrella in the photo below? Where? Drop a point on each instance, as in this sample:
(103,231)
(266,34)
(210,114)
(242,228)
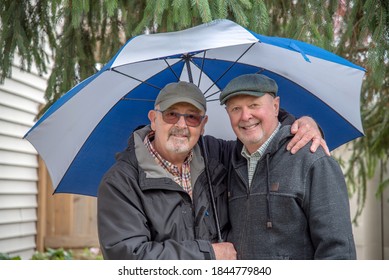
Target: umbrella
(78,136)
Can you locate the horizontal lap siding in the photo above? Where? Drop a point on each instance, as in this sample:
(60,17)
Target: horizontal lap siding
(20,99)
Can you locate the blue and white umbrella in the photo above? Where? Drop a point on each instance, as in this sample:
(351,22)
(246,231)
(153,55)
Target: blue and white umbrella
(79,135)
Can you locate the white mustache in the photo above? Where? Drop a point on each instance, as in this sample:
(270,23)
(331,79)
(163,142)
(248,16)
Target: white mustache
(179,132)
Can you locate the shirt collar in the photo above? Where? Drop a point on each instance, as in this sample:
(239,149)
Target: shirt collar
(170,167)
(261,150)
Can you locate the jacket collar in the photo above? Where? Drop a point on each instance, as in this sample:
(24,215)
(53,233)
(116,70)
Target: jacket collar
(153,170)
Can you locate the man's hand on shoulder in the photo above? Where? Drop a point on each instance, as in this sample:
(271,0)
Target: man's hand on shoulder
(306,129)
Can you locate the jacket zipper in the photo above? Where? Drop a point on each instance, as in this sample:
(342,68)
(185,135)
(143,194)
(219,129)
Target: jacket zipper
(243,232)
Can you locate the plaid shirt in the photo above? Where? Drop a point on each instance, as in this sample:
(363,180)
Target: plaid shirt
(252,160)
(182,178)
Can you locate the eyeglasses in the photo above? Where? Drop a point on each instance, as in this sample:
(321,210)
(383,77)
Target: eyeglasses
(172,117)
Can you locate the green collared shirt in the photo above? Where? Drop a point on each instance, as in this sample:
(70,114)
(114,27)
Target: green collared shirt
(252,159)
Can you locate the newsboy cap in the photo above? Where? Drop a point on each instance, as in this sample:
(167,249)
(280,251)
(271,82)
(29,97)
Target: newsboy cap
(181,92)
(249,84)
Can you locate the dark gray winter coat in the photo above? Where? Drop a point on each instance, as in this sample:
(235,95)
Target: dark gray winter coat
(144,214)
(296,208)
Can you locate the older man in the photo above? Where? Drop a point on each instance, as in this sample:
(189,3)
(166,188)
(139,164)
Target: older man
(154,203)
(282,206)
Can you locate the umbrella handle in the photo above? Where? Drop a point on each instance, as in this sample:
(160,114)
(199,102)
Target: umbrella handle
(219,235)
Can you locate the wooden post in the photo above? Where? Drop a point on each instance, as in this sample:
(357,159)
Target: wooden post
(42,205)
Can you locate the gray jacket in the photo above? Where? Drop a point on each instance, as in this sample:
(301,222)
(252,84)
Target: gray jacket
(144,214)
(296,208)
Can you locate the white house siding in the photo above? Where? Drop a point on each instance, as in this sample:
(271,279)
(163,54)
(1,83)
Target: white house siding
(20,100)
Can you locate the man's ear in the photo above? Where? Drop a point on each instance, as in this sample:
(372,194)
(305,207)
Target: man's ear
(276,105)
(152,115)
(203,123)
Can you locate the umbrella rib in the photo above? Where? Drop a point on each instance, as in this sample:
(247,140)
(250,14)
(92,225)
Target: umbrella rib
(228,69)
(136,79)
(171,69)
(202,68)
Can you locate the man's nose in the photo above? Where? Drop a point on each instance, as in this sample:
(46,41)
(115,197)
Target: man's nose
(181,122)
(246,114)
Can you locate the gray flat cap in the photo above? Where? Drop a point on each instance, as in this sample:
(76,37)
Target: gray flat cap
(249,84)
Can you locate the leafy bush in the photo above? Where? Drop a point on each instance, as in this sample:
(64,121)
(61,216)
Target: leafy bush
(60,254)
(4,256)
(53,254)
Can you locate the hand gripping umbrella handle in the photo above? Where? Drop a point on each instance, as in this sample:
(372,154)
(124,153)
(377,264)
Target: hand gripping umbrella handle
(219,235)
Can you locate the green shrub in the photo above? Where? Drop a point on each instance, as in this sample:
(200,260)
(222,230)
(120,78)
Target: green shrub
(60,254)
(4,256)
(53,254)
